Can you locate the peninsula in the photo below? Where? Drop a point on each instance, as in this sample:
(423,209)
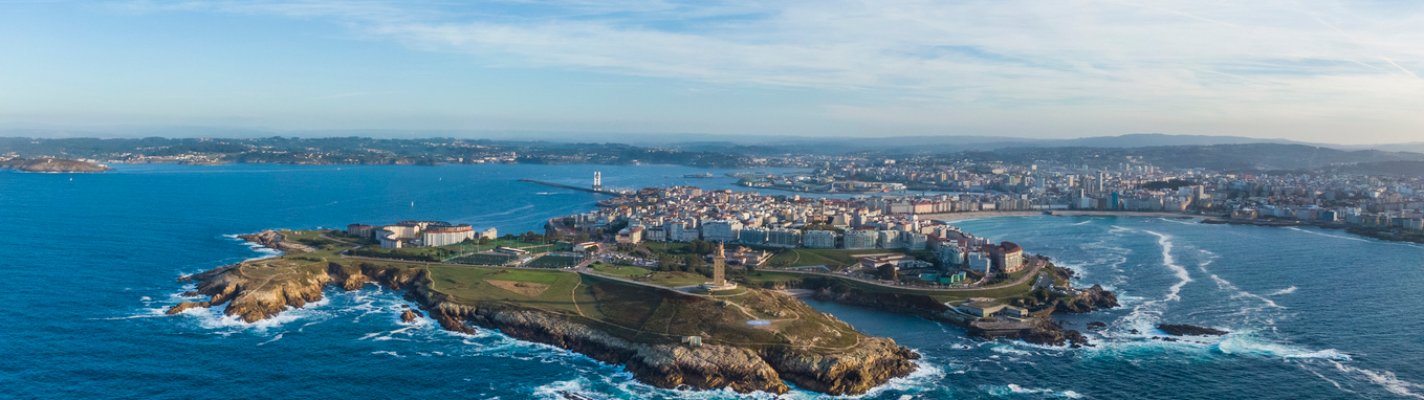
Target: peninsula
(51,165)
(648,281)
(744,339)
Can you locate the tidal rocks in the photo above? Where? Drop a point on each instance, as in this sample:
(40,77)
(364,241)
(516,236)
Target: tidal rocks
(184,306)
(1050,333)
(1097,325)
(1087,300)
(409,315)
(870,363)
(663,365)
(1189,330)
(275,240)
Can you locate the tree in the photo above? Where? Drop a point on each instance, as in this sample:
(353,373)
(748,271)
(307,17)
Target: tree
(694,261)
(667,263)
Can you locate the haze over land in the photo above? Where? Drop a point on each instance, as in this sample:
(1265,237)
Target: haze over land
(1322,72)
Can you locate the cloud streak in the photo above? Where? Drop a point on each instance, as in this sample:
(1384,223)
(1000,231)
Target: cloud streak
(927,65)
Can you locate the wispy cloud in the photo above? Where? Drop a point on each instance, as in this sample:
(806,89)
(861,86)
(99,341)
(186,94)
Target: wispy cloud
(923,64)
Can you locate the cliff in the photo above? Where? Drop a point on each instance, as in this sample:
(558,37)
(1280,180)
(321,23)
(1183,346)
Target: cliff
(647,330)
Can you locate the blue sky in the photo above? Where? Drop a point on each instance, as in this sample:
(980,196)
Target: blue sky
(1347,71)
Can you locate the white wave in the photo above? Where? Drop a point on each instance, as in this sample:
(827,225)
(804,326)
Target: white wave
(273,339)
(1082,223)
(150,312)
(1283,292)
(1178,221)
(214,319)
(1244,343)
(1183,277)
(1342,237)
(1144,317)
(265,252)
(387,353)
(1015,389)
(1386,379)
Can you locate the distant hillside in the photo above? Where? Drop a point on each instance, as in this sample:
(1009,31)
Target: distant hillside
(1232,157)
(1402,168)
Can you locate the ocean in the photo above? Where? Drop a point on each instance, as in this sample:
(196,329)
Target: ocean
(89,262)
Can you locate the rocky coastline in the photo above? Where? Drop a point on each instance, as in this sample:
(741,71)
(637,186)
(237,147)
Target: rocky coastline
(1042,303)
(251,293)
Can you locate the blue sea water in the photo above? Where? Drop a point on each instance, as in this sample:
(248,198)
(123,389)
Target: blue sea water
(88,265)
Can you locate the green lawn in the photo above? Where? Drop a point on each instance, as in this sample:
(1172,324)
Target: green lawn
(533,247)
(622,271)
(472,284)
(829,257)
(552,261)
(675,278)
(483,259)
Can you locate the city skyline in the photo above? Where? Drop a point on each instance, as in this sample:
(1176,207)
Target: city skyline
(1328,72)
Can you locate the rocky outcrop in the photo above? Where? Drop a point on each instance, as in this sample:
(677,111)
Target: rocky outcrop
(660,364)
(261,289)
(870,363)
(275,240)
(1087,300)
(255,293)
(1050,333)
(185,306)
(409,315)
(1189,330)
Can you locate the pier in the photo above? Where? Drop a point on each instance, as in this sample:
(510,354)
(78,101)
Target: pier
(599,190)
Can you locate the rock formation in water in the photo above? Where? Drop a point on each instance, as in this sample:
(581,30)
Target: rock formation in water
(1189,330)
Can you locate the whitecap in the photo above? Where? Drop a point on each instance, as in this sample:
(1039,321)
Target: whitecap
(273,339)
(213,319)
(1283,292)
(1183,277)
(1016,389)
(1386,379)
(387,353)
(1245,344)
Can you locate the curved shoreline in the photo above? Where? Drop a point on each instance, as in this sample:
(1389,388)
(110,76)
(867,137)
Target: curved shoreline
(969,215)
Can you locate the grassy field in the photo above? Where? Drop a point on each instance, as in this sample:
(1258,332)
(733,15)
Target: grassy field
(473,284)
(622,271)
(660,278)
(483,259)
(553,261)
(675,278)
(829,257)
(533,247)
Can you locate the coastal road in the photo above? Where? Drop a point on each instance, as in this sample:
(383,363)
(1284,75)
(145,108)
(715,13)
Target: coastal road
(1032,273)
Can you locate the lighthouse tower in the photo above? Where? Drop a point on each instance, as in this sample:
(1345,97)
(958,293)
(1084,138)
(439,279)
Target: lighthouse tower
(719,266)
(597,180)
(719,272)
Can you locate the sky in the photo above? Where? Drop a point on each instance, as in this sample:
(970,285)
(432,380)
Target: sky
(1319,71)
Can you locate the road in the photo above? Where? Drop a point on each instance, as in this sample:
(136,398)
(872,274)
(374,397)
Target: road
(1033,272)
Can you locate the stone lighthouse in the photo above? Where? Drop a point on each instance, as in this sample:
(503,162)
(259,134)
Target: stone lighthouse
(719,271)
